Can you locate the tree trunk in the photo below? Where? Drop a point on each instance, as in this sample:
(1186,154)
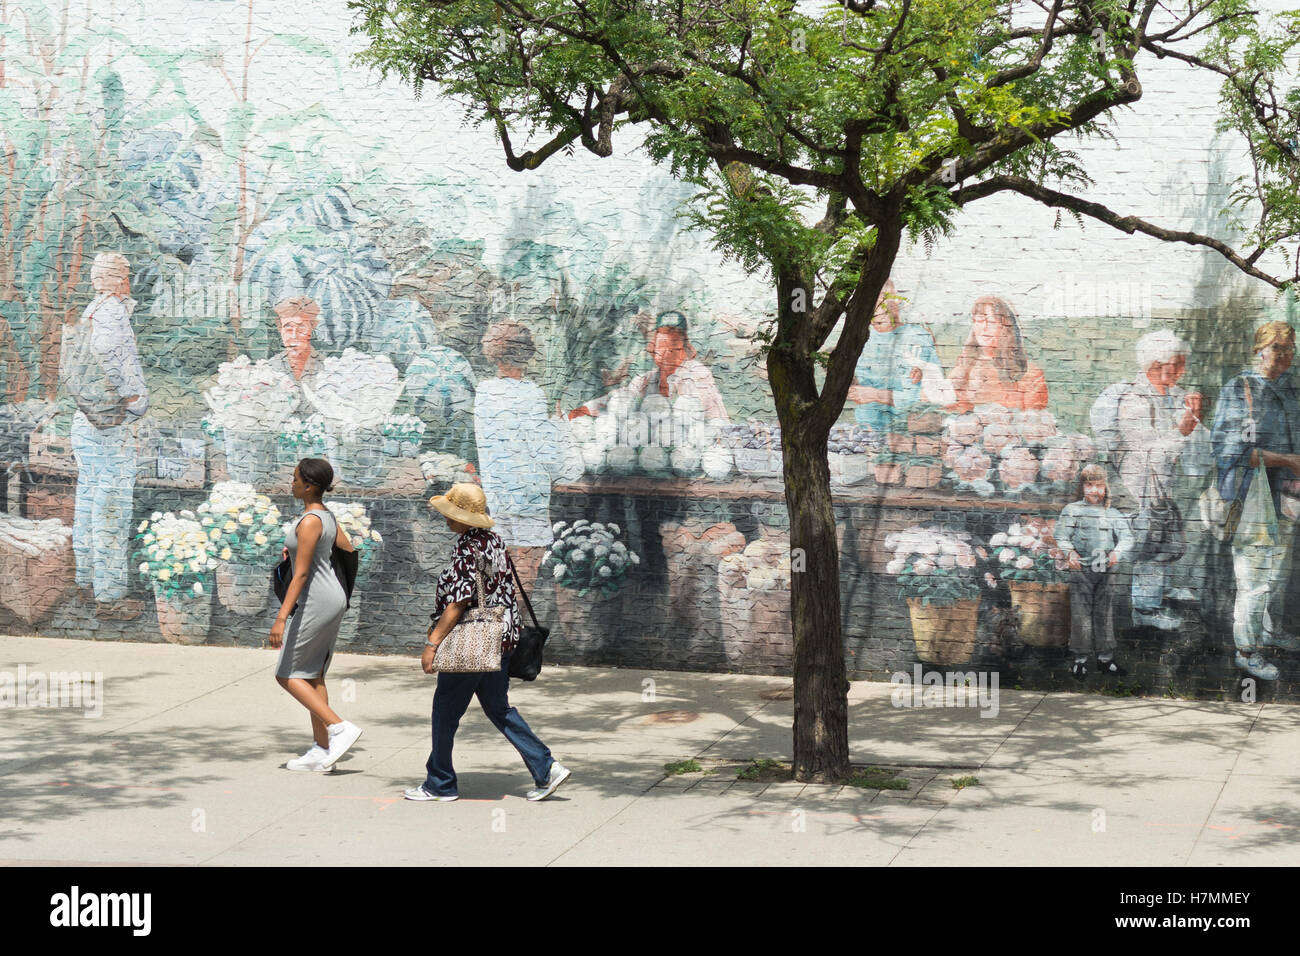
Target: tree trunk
(821,730)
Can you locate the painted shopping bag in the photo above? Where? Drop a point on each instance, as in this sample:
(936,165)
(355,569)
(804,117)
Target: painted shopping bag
(1258,525)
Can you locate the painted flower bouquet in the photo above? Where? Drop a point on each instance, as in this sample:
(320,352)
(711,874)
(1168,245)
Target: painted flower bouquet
(302,438)
(355,391)
(588,557)
(241,525)
(403,435)
(1027,552)
(934,566)
(175,554)
(250,396)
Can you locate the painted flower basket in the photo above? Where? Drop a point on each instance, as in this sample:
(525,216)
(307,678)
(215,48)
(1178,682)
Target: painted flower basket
(244,539)
(936,572)
(590,566)
(1036,572)
(357,456)
(944,633)
(36,565)
(754,597)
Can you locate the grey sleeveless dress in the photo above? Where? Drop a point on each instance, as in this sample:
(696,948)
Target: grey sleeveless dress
(312,630)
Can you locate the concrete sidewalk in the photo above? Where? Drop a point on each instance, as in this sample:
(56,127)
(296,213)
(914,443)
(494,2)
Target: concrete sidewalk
(185,766)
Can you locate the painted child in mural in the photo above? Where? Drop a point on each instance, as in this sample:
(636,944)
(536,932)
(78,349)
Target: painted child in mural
(992,368)
(677,373)
(1095,538)
(1258,423)
(887,386)
(517,446)
(1159,426)
(297,318)
(100,368)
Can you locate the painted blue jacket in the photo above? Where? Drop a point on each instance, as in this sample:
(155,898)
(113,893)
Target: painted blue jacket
(1275,413)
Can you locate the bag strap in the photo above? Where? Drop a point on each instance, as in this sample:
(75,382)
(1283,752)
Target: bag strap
(522,593)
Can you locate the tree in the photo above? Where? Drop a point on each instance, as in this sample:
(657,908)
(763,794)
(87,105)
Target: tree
(891,115)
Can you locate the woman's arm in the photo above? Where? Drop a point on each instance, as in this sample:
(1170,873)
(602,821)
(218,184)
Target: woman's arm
(1033,389)
(438,633)
(308,536)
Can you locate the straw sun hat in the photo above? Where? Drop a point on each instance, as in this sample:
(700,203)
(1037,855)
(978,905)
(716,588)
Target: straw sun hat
(466,503)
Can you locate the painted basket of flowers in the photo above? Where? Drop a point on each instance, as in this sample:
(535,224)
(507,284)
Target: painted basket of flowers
(176,558)
(1037,574)
(936,572)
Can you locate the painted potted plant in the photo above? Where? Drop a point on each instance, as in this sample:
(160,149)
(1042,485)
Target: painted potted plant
(355,393)
(590,565)
(248,407)
(301,438)
(176,558)
(936,572)
(244,530)
(1037,574)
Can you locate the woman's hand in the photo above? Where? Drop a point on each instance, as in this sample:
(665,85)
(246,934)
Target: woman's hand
(426,659)
(277,633)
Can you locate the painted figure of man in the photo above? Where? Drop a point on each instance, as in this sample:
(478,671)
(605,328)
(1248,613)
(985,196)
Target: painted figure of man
(677,373)
(1258,423)
(100,367)
(297,318)
(1159,426)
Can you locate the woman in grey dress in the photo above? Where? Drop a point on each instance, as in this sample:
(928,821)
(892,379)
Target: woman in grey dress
(306,635)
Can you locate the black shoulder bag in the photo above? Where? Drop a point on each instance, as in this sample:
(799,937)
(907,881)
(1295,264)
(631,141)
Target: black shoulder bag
(526,661)
(345,565)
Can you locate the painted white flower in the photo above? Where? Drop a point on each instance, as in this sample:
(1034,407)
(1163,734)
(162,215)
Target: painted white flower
(144,567)
(999,540)
(558,572)
(1024,562)
(245,518)
(966,560)
(632,556)
(226,554)
(214,534)
(156,516)
(188,514)
(605,571)
(141,526)
(947,561)
(896,566)
(260,539)
(577,556)
(1006,555)
(377,538)
(923,567)
(613,528)
(164,574)
(555,528)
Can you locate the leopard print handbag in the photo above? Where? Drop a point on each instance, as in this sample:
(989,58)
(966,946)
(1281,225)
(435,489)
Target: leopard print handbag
(474,644)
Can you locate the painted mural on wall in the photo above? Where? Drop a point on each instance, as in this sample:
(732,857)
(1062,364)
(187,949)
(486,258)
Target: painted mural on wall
(197,291)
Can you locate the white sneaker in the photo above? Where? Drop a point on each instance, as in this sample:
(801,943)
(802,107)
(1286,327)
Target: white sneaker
(558,775)
(342,736)
(1256,666)
(419,793)
(311,761)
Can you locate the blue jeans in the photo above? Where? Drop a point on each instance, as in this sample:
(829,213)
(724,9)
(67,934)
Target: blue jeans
(101,527)
(451,700)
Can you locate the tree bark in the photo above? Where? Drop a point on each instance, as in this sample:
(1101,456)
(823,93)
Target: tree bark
(821,732)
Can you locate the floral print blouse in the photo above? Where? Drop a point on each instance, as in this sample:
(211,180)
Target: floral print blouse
(456,582)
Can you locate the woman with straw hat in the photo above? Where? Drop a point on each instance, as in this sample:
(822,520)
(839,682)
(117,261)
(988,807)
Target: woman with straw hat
(465,508)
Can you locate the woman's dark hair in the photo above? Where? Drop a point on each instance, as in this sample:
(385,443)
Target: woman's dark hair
(318,472)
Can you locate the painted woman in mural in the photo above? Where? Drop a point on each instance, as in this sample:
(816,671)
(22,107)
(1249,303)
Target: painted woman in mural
(1257,424)
(100,368)
(886,385)
(1159,427)
(516,447)
(297,318)
(992,368)
(677,373)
